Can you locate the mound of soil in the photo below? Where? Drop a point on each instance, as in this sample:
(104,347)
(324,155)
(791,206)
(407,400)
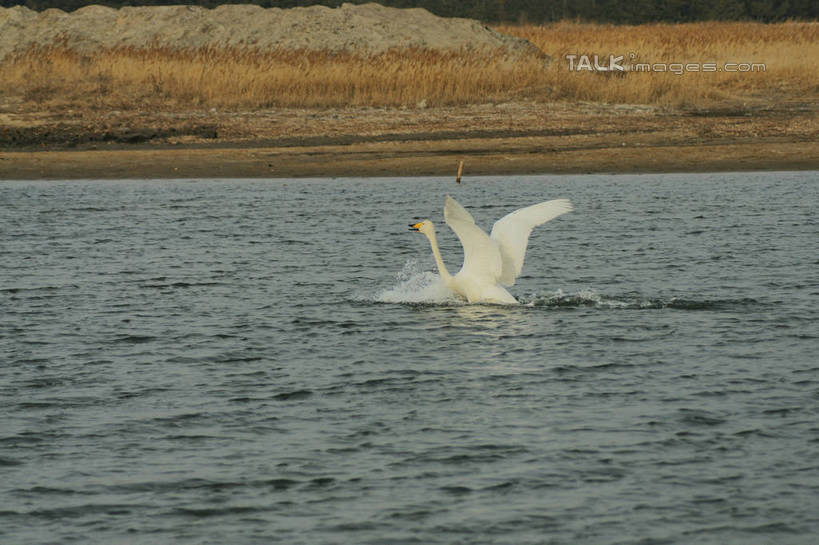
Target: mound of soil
(367,28)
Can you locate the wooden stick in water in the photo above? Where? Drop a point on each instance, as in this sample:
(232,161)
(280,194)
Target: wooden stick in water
(460,171)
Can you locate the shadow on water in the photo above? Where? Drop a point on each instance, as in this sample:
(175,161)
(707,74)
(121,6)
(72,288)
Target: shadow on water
(427,290)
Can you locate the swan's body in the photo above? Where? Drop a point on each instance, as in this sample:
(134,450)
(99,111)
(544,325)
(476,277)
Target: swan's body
(490,261)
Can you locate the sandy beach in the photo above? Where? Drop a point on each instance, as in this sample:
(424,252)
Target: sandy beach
(510,138)
(482,157)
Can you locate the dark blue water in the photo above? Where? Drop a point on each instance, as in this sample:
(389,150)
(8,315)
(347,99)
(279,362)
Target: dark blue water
(251,362)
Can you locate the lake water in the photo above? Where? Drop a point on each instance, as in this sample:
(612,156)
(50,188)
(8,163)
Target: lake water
(274,361)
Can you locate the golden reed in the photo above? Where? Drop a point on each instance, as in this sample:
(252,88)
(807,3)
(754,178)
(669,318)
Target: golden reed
(162,78)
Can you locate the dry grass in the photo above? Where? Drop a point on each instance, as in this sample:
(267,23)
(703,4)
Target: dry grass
(229,77)
(158,78)
(788,51)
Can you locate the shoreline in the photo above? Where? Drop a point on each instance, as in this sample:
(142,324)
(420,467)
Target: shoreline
(492,139)
(481,156)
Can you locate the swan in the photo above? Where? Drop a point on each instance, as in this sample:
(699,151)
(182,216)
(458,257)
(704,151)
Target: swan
(490,261)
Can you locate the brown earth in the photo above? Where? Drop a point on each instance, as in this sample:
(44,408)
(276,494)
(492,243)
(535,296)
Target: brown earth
(39,138)
(366,28)
(509,138)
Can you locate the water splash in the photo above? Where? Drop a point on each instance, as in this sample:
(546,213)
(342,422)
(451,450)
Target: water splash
(416,286)
(583,298)
(592,298)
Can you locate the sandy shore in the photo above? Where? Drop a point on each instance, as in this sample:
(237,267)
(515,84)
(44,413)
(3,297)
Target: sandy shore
(519,138)
(489,156)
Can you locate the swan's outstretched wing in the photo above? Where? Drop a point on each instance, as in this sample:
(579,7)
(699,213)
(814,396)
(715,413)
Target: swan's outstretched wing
(511,232)
(482,256)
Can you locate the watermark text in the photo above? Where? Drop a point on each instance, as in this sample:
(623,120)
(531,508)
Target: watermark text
(618,63)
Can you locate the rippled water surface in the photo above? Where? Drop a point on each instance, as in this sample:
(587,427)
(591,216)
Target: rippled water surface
(276,362)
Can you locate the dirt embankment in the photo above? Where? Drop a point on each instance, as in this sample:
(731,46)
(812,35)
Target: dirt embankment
(366,28)
(493,137)
(510,138)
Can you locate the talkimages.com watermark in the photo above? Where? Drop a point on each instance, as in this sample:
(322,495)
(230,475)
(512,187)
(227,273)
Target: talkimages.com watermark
(618,63)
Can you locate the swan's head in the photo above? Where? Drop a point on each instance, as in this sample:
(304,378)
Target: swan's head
(424,227)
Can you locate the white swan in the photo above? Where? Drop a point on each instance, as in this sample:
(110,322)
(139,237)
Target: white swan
(492,260)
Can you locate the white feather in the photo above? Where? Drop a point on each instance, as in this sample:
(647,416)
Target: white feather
(512,231)
(489,261)
(482,257)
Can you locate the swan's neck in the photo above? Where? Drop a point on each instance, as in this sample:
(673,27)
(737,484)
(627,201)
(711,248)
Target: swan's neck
(433,241)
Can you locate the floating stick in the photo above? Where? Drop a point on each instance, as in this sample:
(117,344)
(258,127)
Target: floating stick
(460,171)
